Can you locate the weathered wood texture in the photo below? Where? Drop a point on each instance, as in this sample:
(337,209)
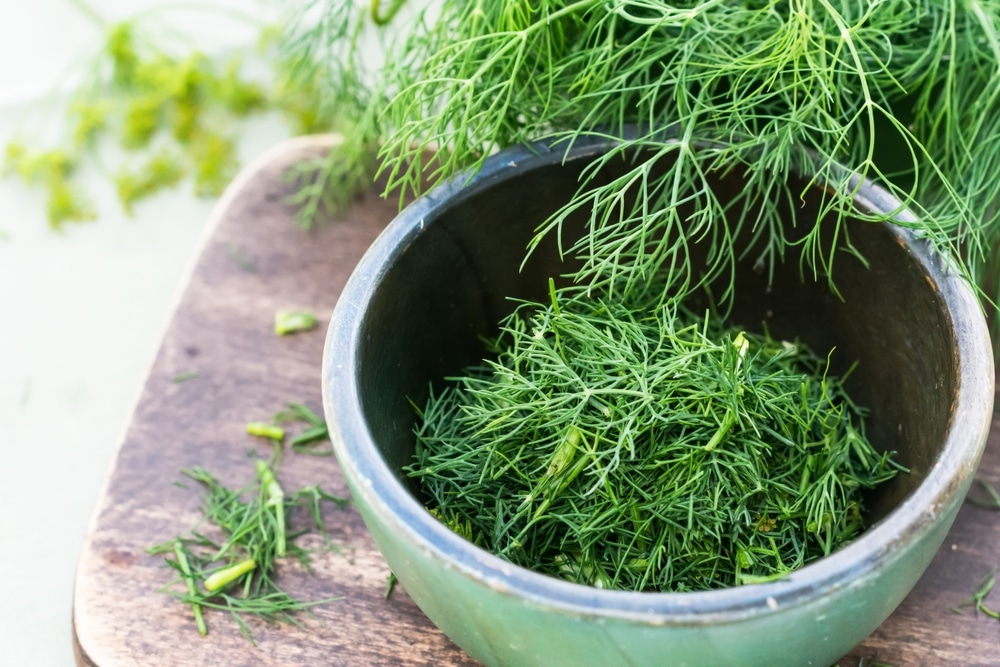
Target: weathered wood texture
(255,261)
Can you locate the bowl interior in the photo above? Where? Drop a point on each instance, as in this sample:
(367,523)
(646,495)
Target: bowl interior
(456,267)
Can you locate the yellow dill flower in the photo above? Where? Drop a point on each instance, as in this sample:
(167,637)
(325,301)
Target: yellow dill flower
(142,119)
(67,203)
(91,119)
(238,96)
(37,166)
(188,93)
(121,47)
(156,77)
(13,154)
(51,169)
(164,170)
(215,163)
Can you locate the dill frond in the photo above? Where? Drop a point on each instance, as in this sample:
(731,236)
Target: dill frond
(903,94)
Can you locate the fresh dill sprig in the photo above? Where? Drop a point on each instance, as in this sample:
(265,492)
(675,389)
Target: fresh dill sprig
(632,445)
(306,440)
(329,63)
(978,598)
(237,572)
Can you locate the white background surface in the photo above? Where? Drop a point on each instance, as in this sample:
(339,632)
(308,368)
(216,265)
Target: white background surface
(81,314)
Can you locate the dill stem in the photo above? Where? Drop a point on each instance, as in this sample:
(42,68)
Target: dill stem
(182,562)
(380,19)
(275,496)
(222,578)
(727,423)
(286,322)
(265,430)
(994,501)
(310,435)
(390,585)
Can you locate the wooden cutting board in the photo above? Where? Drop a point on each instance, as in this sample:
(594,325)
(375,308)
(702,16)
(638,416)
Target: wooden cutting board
(254,262)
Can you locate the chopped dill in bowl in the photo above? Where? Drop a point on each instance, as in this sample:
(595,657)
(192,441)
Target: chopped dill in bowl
(635,445)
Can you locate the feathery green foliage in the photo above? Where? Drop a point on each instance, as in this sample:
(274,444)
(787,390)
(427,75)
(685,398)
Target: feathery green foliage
(329,74)
(630,445)
(905,93)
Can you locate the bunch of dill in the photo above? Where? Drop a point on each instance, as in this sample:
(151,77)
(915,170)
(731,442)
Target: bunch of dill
(632,445)
(903,93)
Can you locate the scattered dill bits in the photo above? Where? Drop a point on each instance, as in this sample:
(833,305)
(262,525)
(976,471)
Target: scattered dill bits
(192,587)
(231,566)
(306,440)
(978,599)
(289,322)
(992,500)
(184,377)
(631,445)
(390,584)
(244,263)
(264,430)
(315,433)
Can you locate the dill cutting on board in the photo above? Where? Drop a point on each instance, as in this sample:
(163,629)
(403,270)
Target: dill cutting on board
(633,445)
(306,440)
(978,598)
(230,562)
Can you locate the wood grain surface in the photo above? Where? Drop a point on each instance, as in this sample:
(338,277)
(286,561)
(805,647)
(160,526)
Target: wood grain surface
(254,262)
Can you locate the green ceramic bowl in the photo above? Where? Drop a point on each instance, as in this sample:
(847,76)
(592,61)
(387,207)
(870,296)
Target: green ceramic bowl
(440,276)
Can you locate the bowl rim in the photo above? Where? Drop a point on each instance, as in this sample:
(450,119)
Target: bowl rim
(370,477)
